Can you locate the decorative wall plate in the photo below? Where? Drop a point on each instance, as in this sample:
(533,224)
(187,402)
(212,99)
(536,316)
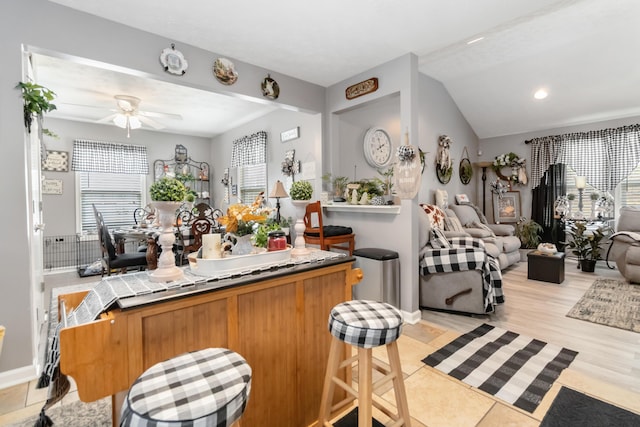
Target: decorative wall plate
(173,61)
(270,88)
(224,71)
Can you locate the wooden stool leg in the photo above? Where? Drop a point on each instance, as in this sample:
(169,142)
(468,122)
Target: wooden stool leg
(398,383)
(365,367)
(335,355)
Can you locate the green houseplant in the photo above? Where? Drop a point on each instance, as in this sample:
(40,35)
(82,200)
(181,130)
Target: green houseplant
(528,231)
(586,244)
(36,101)
(167,190)
(301,190)
(338,185)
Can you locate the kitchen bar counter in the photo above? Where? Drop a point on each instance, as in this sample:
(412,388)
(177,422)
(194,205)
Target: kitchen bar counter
(277,320)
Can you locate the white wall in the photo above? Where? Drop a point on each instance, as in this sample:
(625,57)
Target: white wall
(308,149)
(51,28)
(492,147)
(405,101)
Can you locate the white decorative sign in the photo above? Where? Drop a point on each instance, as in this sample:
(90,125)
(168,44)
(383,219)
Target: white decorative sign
(56,161)
(290,134)
(51,186)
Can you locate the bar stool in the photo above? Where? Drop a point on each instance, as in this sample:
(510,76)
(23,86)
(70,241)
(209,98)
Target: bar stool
(364,324)
(208,387)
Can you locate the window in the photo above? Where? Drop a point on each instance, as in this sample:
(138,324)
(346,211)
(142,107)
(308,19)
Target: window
(249,155)
(116,196)
(111,176)
(586,193)
(252,180)
(629,189)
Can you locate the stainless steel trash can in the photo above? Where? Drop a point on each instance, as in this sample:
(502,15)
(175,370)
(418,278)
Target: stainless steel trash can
(381,275)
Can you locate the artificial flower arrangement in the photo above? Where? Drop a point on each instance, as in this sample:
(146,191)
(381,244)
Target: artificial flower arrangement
(242,219)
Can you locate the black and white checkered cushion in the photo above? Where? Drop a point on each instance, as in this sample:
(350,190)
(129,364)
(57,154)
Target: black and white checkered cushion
(209,388)
(365,324)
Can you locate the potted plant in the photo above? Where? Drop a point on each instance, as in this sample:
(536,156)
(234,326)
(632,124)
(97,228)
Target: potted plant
(301,190)
(586,244)
(167,189)
(528,231)
(338,184)
(387,184)
(36,101)
(300,194)
(167,195)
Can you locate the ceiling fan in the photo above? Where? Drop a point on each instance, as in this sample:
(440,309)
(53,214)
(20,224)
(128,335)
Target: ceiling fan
(128,116)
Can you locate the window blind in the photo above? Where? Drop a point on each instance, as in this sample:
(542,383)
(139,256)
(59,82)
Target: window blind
(116,196)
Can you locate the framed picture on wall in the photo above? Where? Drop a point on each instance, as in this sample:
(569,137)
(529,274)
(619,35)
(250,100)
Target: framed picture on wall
(507,208)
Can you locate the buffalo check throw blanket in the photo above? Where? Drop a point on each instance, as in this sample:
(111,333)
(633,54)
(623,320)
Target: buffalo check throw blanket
(466,253)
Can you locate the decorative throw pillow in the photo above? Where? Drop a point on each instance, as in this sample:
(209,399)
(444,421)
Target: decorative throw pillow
(452,223)
(438,239)
(484,227)
(462,198)
(435,214)
(442,199)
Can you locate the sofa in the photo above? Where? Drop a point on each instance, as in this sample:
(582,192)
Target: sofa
(625,244)
(500,240)
(461,277)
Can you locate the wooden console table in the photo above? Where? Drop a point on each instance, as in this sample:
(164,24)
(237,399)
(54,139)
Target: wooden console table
(276,320)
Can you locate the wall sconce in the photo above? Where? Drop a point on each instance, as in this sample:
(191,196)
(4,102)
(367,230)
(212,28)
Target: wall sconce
(278,192)
(581,183)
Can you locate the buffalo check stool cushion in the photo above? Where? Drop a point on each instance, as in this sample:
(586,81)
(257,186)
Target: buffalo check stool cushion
(365,324)
(208,387)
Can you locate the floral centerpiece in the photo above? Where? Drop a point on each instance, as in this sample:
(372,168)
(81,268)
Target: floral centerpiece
(242,219)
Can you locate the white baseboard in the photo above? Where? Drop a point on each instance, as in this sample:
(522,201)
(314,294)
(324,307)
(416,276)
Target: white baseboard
(17,376)
(411,318)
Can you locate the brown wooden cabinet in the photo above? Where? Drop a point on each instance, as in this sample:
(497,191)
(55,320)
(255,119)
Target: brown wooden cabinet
(279,325)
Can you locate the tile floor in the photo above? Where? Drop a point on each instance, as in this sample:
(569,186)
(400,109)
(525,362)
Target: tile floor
(435,399)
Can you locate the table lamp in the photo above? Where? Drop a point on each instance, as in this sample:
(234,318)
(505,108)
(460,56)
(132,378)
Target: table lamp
(278,192)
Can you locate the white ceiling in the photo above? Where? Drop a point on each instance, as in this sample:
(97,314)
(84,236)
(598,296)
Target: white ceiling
(583,51)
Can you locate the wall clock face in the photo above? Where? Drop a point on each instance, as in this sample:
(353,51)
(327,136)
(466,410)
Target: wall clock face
(377,147)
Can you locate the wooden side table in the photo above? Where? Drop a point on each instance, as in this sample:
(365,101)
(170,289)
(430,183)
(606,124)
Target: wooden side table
(545,267)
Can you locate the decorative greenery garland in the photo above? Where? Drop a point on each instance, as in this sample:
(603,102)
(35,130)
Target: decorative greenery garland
(508,160)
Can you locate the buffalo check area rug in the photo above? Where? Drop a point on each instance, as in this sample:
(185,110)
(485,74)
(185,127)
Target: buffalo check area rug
(514,368)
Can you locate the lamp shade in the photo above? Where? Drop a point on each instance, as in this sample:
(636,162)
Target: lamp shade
(581,182)
(278,191)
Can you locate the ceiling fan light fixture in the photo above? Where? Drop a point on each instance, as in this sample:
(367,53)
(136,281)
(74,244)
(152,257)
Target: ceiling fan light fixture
(134,122)
(120,120)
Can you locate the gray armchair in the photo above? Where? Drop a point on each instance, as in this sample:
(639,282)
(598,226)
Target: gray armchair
(625,244)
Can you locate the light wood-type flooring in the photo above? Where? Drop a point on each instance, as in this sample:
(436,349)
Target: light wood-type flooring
(607,366)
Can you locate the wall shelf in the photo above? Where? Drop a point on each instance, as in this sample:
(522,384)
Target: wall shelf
(345,207)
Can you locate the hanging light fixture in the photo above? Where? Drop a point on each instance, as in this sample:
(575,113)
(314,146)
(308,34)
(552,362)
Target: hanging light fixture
(127,121)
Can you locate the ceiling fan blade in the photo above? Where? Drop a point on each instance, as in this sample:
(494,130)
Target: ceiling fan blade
(149,122)
(160,115)
(107,119)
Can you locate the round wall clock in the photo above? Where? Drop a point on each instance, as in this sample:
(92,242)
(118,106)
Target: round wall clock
(377,147)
